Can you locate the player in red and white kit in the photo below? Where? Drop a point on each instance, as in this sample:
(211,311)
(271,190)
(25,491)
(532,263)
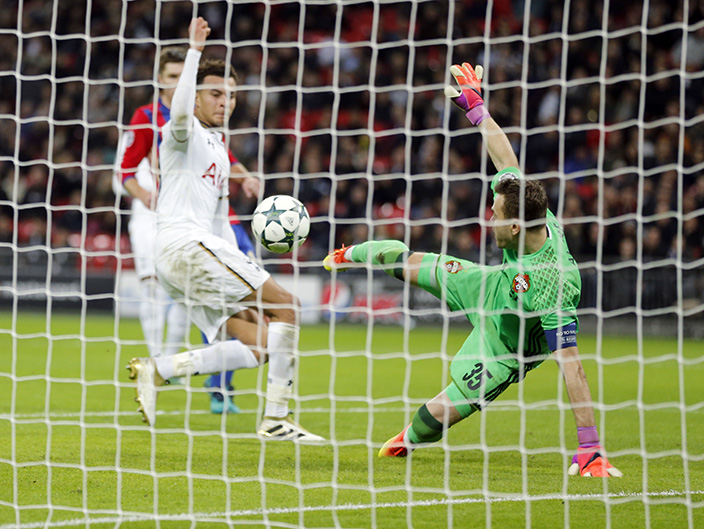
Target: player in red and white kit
(199,264)
(137,175)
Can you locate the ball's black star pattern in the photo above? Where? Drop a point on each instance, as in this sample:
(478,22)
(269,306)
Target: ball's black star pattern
(273,215)
(277,222)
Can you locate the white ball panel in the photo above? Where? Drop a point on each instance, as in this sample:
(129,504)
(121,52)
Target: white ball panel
(265,205)
(273,232)
(258,225)
(287,202)
(303,228)
(290,220)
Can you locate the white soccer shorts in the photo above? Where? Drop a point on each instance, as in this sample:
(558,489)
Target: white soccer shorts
(210,277)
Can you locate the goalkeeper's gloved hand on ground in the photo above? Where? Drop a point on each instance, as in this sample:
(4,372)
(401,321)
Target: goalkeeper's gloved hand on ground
(469,97)
(588,462)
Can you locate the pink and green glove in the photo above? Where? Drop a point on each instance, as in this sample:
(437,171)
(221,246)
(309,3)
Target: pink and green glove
(588,461)
(469,98)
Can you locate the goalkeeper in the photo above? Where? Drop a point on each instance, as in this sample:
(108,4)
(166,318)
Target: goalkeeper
(521,311)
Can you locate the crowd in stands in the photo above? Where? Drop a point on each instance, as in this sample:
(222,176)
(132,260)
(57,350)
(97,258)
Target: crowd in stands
(346,111)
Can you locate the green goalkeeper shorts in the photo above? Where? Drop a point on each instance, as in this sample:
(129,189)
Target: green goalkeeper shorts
(485,365)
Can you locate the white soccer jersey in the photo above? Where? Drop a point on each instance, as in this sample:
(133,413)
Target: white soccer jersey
(194,186)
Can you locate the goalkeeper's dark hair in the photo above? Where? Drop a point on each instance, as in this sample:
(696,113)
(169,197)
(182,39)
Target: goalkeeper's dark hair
(172,54)
(534,198)
(216,67)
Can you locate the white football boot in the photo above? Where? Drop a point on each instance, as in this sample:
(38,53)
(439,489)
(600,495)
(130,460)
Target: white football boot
(143,370)
(285,429)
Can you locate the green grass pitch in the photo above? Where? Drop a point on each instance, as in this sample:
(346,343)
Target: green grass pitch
(68,446)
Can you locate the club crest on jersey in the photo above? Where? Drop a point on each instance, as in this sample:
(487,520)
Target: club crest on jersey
(521,283)
(453,267)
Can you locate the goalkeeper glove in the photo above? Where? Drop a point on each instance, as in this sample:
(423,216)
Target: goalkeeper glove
(469,98)
(588,462)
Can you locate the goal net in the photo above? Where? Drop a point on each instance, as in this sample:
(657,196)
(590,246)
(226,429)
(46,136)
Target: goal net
(341,105)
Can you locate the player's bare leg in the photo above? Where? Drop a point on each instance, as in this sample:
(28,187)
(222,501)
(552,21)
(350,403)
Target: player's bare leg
(150,373)
(243,326)
(280,341)
(281,307)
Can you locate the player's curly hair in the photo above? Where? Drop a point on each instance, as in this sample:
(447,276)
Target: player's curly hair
(533,194)
(172,54)
(216,67)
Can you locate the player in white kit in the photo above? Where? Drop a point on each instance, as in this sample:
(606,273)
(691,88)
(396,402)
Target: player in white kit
(199,263)
(136,175)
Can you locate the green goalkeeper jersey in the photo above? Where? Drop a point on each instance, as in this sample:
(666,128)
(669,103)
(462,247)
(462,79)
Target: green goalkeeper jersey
(544,285)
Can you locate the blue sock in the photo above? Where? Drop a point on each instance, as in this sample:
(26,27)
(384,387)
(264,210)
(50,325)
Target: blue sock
(220,380)
(217,380)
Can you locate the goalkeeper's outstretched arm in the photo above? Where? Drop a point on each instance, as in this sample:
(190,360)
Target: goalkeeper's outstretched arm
(470,100)
(588,461)
(497,145)
(577,386)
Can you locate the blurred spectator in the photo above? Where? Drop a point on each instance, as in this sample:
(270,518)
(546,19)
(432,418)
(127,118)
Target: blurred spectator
(359,129)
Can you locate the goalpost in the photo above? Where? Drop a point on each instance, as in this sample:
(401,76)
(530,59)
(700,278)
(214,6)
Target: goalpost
(341,105)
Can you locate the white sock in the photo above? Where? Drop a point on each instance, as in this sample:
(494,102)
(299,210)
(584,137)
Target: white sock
(221,356)
(282,342)
(348,253)
(406,441)
(177,327)
(152,314)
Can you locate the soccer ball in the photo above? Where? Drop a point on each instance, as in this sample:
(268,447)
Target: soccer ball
(280,223)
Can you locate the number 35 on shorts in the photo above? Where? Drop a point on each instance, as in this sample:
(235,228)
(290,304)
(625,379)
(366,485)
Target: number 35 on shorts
(475,378)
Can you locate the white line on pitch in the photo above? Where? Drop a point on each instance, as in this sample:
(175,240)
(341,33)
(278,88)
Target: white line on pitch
(223,516)
(60,415)
(163,413)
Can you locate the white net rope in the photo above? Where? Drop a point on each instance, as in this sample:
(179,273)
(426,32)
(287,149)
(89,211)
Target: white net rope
(341,104)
